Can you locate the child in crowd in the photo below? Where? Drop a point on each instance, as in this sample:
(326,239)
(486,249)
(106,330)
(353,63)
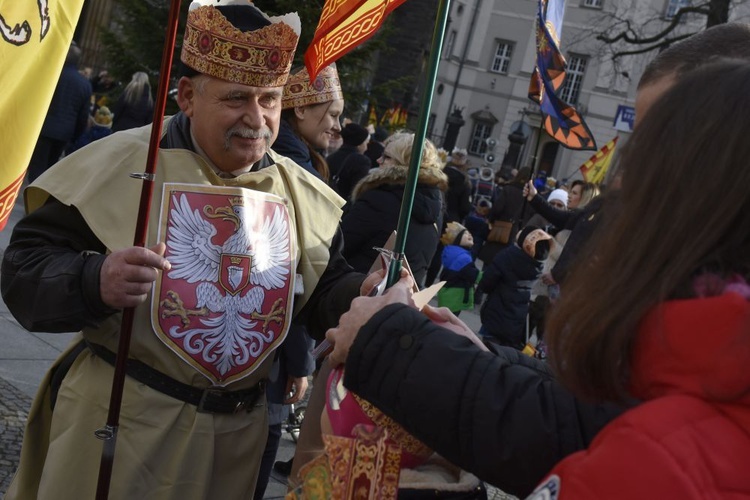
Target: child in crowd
(477,225)
(507,282)
(101,126)
(459,271)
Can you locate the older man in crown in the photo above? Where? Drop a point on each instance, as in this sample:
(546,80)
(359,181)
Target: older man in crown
(234,253)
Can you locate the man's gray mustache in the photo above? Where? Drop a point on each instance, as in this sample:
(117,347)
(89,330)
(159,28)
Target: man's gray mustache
(246,133)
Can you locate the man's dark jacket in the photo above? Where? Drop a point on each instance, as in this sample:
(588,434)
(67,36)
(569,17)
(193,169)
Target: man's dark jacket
(68,113)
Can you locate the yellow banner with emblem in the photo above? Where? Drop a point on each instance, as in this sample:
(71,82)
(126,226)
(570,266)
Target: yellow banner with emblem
(36,36)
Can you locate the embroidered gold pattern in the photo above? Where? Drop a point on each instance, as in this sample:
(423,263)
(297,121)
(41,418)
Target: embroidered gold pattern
(298,90)
(260,58)
(398,434)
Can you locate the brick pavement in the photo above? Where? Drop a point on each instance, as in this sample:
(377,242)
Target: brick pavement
(14,409)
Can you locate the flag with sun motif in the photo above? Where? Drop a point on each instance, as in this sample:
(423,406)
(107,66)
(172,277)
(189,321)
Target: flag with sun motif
(560,119)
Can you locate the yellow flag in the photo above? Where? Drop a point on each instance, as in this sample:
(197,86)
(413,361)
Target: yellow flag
(35,39)
(596,167)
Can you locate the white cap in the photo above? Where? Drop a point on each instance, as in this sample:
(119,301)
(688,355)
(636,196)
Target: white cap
(559,195)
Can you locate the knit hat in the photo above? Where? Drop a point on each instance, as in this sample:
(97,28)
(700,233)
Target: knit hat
(353,134)
(381,134)
(535,242)
(452,234)
(103,117)
(559,195)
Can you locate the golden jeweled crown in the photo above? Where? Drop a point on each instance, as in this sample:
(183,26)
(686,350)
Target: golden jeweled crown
(260,58)
(298,90)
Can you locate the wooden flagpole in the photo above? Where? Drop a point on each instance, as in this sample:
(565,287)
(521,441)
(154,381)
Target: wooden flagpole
(108,433)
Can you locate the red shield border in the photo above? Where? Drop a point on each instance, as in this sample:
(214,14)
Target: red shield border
(195,337)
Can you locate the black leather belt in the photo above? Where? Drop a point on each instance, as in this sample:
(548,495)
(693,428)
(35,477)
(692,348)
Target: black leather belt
(212,399)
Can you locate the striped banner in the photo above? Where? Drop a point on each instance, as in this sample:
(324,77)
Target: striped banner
(596,167)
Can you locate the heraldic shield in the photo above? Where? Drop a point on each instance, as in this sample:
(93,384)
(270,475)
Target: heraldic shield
(226,304)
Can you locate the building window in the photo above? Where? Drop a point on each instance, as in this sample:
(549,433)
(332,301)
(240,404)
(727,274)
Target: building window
(478,143)
(431,126)
(673,6)
(450,43)
(594,4)
(501,60)
(573,79)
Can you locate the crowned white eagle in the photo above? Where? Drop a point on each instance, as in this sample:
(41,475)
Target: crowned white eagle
(232,335)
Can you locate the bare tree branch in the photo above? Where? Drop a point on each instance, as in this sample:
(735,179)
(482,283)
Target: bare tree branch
(630,37)
(663,43)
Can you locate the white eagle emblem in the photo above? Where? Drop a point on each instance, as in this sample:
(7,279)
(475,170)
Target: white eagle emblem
(224,305)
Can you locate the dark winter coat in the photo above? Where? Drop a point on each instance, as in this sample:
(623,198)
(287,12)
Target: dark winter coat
(499,415)
(132,115)
(582,223)
(354,169)
(376,204)
(68,113)
(507,283)
(507,205)
(458,196)
(336,159)
(95,133)
(289,144)
(374,152)
(292,359)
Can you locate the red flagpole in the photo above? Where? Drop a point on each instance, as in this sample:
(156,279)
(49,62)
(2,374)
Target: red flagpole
(108,433)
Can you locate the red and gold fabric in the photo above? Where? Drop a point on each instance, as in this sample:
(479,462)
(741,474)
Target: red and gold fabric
(365,465)
(299,91)
(260,58)
(345,411)
(343,25)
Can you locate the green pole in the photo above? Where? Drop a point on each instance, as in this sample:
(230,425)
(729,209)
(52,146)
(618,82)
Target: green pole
(416,153)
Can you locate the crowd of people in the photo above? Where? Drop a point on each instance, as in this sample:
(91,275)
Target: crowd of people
(271,221)
(83,109)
